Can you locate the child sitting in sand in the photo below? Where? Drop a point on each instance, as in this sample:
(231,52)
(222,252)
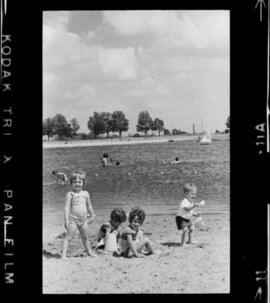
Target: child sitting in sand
(186,215)
(78,208)
(132,240)
(108,235)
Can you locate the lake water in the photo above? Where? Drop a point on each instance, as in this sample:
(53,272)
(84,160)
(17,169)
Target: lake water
(141,179)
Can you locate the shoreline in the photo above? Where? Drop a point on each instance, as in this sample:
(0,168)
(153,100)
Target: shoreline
(126,140)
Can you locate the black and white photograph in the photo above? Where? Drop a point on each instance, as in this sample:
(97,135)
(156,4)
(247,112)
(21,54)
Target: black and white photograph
(136,106)
(134,148)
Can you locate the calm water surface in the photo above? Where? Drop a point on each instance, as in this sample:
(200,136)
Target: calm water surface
(141,179)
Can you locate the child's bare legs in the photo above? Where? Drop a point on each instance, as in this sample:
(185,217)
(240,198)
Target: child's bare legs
(189,236)
(184,234)
(86,243)
(71,229)
(190,230)
(187,231)
(144,243)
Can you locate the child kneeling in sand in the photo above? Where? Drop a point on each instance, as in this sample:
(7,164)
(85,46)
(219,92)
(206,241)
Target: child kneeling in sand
(78,209)
(108,235)
(132,239)
(186,215)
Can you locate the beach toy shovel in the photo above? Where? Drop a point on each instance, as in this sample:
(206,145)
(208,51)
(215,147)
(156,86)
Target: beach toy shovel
(111,242)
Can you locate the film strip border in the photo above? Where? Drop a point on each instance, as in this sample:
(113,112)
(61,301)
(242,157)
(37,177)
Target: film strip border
(262,9)
(7,156)
(267,92)
(2,16)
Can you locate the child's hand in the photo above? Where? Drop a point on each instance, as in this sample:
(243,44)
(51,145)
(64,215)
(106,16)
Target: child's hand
(91,219)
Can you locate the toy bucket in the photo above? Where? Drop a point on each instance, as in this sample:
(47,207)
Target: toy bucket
(111,242)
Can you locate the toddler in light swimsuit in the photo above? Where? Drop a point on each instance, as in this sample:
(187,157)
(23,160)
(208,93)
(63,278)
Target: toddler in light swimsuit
(118,216)
(78,209)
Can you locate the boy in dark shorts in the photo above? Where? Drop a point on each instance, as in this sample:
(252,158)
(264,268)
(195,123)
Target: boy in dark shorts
(185,215)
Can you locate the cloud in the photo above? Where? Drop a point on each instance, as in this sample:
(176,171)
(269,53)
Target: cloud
(168,62)
(60,48)
(118,62)
(173,29)
(137,22)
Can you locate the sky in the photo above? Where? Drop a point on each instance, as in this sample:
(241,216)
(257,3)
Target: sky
(173,63)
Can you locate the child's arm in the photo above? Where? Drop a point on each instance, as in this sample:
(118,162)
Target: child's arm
(103,230)
(190,207)
(132,246)
(90,208)
(67,208)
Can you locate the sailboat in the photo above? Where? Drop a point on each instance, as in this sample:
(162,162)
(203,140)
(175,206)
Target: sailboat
(206,139)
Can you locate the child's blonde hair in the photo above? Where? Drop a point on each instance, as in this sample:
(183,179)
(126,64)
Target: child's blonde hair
(188,187)
(78,174)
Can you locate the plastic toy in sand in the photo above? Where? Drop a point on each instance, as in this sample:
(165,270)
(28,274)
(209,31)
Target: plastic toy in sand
(111,242)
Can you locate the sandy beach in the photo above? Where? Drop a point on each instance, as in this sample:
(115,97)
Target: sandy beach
(126,140)
(203,267)
(115,141)
(199,268)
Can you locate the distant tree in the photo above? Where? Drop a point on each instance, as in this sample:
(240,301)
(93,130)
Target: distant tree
(228,122)
(166,132)
(158,125)
(81,136)
(97,124)
(62,128)
(74,127)
(108,121)
(119,122)
(145,122)
(48,127)
(174,131)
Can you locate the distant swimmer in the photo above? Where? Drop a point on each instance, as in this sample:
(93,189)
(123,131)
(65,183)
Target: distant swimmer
(175,161)
(105,158)
(61,178)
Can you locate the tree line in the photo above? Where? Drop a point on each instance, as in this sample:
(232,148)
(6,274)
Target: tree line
(100,123)
(105,123)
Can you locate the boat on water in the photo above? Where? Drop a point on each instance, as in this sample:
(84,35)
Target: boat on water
(206,139)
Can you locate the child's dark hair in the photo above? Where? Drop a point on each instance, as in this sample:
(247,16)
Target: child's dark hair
(118,215)
(136,212)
